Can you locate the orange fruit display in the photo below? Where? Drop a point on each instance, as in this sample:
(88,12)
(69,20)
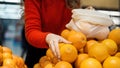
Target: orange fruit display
(115,35)
(112,62)
(84,52)
(63,64)
(111,46)
(10,60)
(98,51)
(90,63)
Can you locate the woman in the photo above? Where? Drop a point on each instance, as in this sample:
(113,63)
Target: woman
(44,21)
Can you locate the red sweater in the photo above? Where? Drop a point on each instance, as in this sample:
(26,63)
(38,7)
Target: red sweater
(43,17)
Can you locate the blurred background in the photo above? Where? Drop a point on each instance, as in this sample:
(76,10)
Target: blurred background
(11,24)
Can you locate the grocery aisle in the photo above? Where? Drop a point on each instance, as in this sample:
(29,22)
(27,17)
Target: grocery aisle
(12,36)
(11,42)
(10,25)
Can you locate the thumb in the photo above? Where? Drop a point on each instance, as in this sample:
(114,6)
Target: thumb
(65,41)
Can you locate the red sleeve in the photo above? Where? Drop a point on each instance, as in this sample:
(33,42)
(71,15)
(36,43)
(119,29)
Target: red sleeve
(33,32)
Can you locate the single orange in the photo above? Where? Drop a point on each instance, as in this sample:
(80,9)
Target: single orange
(80,58)
(112,62)
(90,63)
(89,44)
(36,65)
(68,53)
(63,64)
(65,33)
(78,39)
(98,51)
(115,35)
(111,46)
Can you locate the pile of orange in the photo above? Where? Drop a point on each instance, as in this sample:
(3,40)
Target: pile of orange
(78,39)
(84,52)
(10,60)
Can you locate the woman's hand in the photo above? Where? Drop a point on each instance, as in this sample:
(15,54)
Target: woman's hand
(53,40)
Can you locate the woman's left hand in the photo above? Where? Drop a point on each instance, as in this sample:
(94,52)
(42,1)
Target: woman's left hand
(53,40)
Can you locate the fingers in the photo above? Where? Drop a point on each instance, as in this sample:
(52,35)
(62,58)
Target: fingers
(57,49)
(52,47)
(64,40)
